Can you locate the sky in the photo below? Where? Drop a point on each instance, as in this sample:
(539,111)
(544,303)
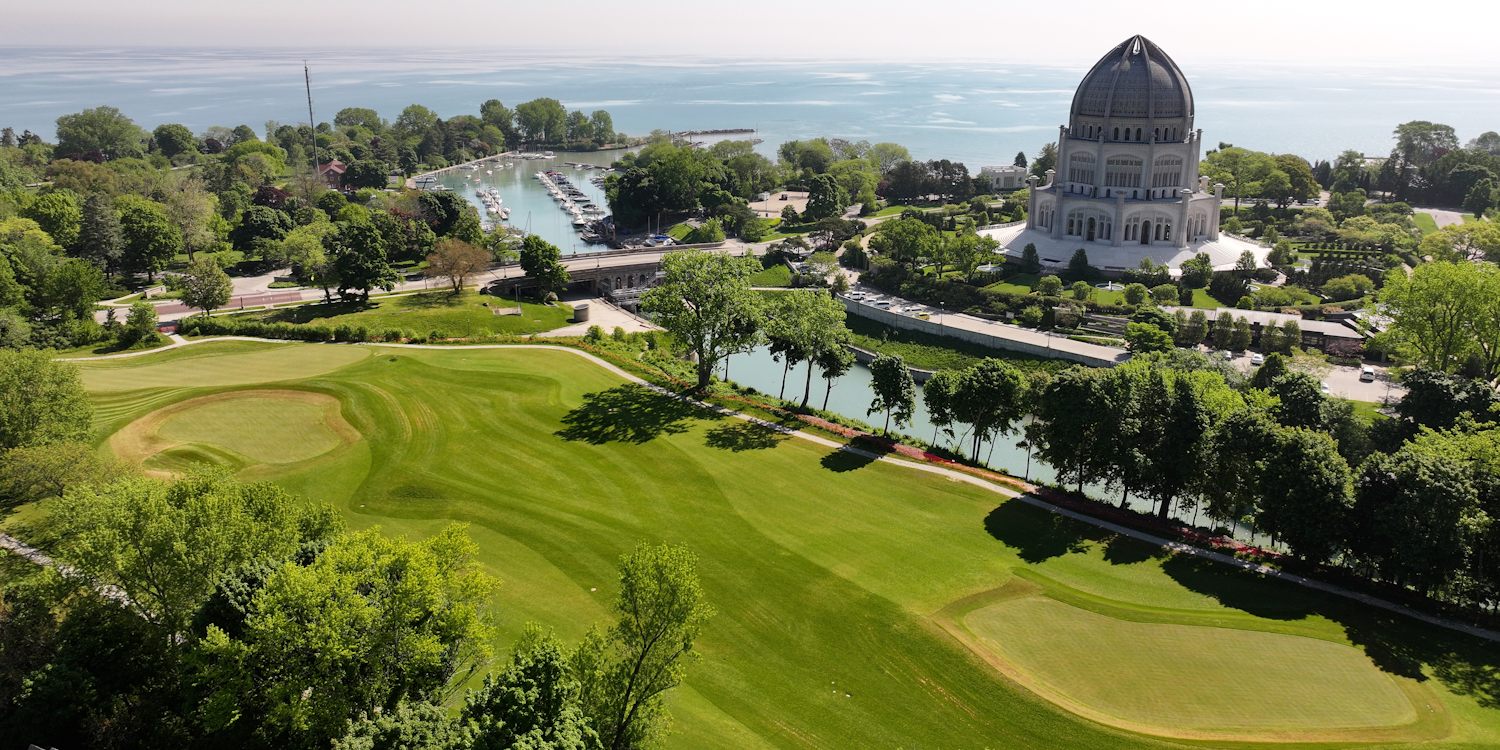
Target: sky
(1300,32)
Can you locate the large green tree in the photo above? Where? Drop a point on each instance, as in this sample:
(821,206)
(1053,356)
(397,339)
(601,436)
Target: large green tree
(205,285)
(826,198)
(103,129)
(58,214)
(41,401)
(151,238)
(895,392)
(542,261)
(1306,494)
(706,303)
(625,673)
(359,260)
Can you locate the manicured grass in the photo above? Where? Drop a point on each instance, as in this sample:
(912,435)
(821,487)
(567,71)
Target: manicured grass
(777,275)
(1021,283)
(678,231)
(262,425)
(1173,676)
(1468,218)
(452,316)
(843,585)
(1424,222)
(111,347)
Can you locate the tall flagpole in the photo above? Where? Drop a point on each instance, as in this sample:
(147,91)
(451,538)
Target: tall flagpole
(312,123)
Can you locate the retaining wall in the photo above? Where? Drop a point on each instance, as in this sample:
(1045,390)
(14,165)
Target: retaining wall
(908,322)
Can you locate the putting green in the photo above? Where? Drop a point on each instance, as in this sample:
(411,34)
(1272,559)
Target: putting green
(836,578)
(236,429)
(1186,679)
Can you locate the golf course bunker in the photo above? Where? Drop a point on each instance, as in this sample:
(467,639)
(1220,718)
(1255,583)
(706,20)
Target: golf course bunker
(237,429)
(1190,681)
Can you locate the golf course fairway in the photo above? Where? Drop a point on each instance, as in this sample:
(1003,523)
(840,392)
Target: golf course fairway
(862,604)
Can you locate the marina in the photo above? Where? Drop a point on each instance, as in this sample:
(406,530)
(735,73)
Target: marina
(505,188)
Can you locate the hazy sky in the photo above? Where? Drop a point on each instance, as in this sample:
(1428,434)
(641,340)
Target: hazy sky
(1293,32)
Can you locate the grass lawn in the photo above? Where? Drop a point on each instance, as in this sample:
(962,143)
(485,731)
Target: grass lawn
(861,604)
(1021,283)
(111,347)
(678,231)
(777,275)
(1424,222)
(1469,218)
(453,316)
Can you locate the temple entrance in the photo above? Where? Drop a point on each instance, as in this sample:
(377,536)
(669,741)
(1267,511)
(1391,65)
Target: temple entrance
(1091,230)
(1145,233)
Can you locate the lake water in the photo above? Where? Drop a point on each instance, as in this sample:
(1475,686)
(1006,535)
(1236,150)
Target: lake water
(975,112)
(851,396)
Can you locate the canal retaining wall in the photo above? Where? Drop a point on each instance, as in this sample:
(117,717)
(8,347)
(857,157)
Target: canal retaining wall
(897,320)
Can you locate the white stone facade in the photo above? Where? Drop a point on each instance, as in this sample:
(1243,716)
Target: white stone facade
(1005,178)
(1127,161)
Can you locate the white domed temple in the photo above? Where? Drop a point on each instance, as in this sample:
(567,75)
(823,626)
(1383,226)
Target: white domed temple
(1126,186)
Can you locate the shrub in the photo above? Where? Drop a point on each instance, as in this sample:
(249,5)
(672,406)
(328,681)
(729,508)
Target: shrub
(618,334)
(1049,286)
(595,334)
(1032,317)
(1135,294)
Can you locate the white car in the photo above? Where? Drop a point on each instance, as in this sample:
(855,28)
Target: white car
(1324,386)
(883,303)
(1257,359)
(855,295)
(1228,354)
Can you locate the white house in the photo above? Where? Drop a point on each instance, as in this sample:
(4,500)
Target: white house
(1004,178)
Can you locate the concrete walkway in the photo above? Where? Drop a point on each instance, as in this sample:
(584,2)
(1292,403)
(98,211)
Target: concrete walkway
(1441,217)
(958,476)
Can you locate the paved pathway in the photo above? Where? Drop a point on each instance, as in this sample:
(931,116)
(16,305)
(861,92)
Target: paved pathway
(1441,217)
(1175,547)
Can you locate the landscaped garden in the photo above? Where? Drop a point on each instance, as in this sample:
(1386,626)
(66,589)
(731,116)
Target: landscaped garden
(450,315)
(861,603)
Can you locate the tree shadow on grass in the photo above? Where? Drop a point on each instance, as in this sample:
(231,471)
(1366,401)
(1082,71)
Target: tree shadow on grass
(744,436)
(627,414)
(842,460)
(1035,533)
(1123,550)
(1394,643)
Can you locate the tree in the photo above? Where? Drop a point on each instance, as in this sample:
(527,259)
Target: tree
(1045,160)
(532,703)
(1078,265)
(1075,421)
(1420,516)
(1470,241)
(1433,312)
(205,285)
(1197,271)
(457,260)
(369,623)
(906,241)
(1239,338)
(1031,262)
(990,397)
(706,303)
(38,473)
(1437,400)
(1049,286)
(174,139)
(1144,337)
(58,215)
(625,674)
(417,724)
(359,260)
(825,197)
(708,232)
(43,401)
(150,237)
(1306,494)
(895,393)
(1135,293)
(166,545)
(885,156)
(414,121)
(1082,291)
(1164,294)
(195,211)
(542,120)
(1481,197)
(1240,170)
(541,260)
(100,240)
(366,173)
(102,129)
(1020,160)
(833,363)
(1347,287)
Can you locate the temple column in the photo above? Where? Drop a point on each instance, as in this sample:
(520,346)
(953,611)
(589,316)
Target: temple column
(1117,234)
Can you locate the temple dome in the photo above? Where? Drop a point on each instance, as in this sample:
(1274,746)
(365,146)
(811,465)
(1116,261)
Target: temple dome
(1136,80)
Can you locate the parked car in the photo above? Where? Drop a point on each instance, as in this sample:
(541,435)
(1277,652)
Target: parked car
(1228,354)
(1367,373)
(883,303)
(855,295)
(1324,386)
(1257,359)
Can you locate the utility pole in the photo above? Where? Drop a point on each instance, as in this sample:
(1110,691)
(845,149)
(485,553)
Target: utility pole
(312,123)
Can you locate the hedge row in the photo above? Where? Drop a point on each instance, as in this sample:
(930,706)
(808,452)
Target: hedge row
(200,326)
